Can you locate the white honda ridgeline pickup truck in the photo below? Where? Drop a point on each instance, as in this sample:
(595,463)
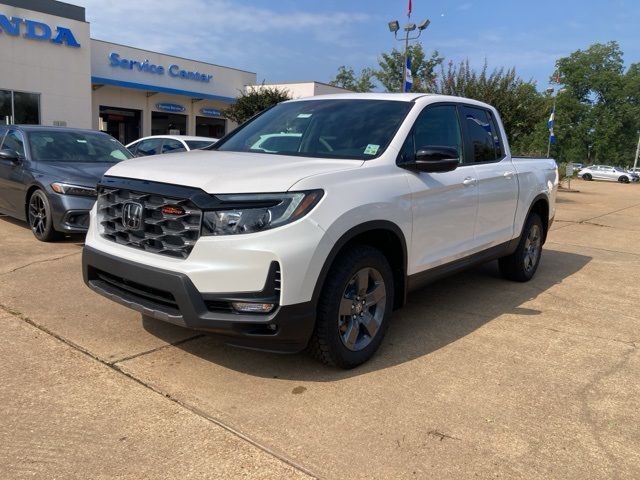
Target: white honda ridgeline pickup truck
(308,225)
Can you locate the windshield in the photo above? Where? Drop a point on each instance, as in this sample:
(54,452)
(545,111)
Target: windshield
(76,146)
(195,144)
(351,129)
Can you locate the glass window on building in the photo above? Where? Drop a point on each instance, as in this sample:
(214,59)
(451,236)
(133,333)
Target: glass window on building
(210,127)
(168,124)
(19,108)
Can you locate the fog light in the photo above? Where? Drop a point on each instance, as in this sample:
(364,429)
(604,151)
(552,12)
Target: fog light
(252,307)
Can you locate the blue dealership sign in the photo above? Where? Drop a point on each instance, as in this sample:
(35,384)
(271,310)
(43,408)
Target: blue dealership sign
(211,112)
(170,107)
(34,30)
(145,66)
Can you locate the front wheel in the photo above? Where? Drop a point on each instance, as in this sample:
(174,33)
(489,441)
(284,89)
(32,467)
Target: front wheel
(522,264)
(354,308)
(40,218)
(623,179)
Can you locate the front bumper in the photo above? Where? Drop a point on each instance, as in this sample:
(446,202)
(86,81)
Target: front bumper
(70,212)
(172,297)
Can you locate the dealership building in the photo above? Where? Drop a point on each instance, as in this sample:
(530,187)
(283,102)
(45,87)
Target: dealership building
(54,73)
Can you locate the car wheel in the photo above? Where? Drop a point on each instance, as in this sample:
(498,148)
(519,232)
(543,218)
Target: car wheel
(522,264)
(623,179)
(587,177)
(354,308)
(40,218)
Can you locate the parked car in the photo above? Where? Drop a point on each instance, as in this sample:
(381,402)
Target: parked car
(48,175)
(315,247)
(158,144)
(606,172)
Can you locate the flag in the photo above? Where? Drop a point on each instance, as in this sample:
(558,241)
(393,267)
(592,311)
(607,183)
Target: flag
(550,122)
(408,77)
(409,9)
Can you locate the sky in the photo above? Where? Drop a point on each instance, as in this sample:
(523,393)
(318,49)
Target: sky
(303,40)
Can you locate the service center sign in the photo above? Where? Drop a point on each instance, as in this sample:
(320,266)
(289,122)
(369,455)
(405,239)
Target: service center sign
(34,30)
(116,61)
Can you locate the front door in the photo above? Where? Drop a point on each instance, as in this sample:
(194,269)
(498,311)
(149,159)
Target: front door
(11,175)
(444,204)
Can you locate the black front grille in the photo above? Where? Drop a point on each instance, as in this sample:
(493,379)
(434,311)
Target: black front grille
(173,233)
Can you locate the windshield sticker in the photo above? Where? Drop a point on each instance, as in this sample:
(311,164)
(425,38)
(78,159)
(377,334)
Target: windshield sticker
(371,149)
(304,115)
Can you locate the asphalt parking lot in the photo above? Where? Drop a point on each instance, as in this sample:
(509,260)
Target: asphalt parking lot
(476,377)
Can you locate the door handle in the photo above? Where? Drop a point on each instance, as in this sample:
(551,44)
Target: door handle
(469,181)
(508,174)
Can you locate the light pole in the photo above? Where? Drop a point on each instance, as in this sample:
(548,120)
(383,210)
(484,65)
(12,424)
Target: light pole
(394,27)
(635,163)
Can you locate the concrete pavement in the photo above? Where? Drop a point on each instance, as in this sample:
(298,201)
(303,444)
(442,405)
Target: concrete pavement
(477,376)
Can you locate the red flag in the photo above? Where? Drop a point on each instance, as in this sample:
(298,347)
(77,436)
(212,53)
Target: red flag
(409,9)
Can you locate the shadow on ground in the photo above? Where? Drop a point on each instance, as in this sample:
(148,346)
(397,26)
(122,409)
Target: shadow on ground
(434,317)
(77,238)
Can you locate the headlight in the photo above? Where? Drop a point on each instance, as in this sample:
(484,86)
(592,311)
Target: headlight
(68,189)
(247,213)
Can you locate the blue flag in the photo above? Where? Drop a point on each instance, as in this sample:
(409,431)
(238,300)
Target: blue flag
(408,77)
(550,122)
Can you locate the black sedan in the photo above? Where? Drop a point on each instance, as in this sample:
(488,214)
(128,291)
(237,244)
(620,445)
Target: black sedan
(48,175)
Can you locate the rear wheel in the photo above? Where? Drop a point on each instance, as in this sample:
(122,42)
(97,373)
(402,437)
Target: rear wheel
(587,177)
(522,264)
(354,308)
(40,218)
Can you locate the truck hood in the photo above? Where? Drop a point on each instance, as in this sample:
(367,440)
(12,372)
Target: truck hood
(229,172)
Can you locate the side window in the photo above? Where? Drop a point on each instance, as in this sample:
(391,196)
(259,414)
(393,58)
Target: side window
(435,126)
(149,147)
(172,146)
(14,141)
(481,136)
(132,148)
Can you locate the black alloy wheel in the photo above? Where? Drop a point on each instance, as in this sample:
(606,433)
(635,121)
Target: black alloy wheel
(39,217)
(354,308)
(522,264)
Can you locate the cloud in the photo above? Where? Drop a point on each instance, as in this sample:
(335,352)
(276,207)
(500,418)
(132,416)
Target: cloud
(218,31)
(464,6)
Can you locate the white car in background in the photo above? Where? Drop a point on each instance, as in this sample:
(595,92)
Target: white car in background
(607,172)
(157,144)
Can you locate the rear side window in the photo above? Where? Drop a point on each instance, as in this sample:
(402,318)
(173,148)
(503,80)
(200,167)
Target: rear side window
(172,146)
(483,140)
(149,147)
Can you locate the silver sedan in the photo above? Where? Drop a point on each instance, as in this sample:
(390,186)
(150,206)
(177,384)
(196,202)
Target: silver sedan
(606,172)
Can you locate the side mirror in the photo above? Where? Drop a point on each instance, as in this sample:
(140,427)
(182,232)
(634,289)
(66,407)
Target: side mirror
(434,158)
(9,155)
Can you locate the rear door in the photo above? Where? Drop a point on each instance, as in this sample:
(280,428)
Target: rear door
(444,204)
(497,179)
(12,185)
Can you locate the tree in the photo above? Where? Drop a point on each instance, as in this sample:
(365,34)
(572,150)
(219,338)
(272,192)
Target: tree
(390,73)
(520,105)
(346,78)
(600,107)
(254,101)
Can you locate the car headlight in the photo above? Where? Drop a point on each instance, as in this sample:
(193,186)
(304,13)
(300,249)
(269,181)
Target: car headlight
(69,189)
(248,213)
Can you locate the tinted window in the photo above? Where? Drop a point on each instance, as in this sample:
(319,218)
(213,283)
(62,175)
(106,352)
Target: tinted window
(438,126)
(480,135)
(435,126)
(195,144)
(150,146)
(75,146)
(350,129)
(171,145)
(26,107)
(14,141)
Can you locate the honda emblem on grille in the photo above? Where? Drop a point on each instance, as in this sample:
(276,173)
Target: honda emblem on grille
(132,215)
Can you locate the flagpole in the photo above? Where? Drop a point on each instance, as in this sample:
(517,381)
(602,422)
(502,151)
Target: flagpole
(635,163)
(554,120)
(406,48)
